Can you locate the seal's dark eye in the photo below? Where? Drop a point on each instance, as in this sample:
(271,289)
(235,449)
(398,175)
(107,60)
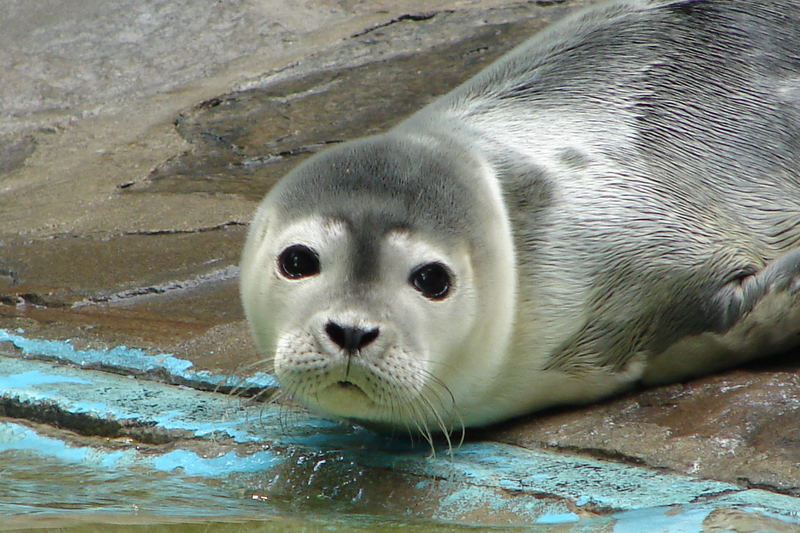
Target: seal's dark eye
(298,261)
(432,280)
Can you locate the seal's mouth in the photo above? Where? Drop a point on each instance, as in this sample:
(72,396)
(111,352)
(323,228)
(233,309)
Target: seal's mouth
(349,385)
(344,398)
(348,391)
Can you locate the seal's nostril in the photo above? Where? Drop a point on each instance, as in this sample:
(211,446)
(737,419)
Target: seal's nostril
(350,339)
(336,333)
(369,336)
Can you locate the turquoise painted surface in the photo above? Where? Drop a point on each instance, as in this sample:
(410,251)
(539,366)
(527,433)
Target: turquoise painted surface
(233,456)
(688,520)
(130,359)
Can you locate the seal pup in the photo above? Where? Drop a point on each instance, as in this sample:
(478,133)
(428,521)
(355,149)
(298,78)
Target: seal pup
(616,201)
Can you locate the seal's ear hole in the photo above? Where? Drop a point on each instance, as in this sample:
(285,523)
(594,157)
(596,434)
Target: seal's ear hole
(433,280)
(298,261)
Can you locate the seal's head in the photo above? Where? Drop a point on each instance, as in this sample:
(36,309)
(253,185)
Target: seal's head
(379,277)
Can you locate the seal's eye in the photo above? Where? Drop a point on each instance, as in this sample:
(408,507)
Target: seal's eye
(432,280)
(298,261)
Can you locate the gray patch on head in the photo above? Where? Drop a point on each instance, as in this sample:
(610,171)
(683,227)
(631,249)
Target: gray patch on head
(388,183)
(367,235)
(406,183)
(383,184)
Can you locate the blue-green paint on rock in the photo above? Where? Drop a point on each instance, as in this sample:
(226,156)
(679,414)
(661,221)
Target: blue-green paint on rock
(557,518)
(191,464)
(531,486)
(129,359)
(683,519)
(15,437)
(35,377)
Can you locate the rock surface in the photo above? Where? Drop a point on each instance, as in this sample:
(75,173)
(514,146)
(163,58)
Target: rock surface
(137,140)
(741,426)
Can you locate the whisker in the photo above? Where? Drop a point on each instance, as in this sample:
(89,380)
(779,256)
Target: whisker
(417,415)
(242,388)
(452,409)
(441,384)
(439,421)
(398,413)
(268,395)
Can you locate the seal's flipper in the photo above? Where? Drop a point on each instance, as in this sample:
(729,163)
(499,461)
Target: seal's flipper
(744,294)
(756,315)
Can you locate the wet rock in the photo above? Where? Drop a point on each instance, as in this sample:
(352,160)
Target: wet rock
(121,267)
(224,348)
(742,426)
(67,57)
(14,152)
(151,288)
(243,142)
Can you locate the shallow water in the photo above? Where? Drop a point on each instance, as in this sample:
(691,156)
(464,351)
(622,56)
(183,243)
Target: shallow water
(314,491)
(39,493)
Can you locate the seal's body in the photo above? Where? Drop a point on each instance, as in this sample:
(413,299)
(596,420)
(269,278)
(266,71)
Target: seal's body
(615,201)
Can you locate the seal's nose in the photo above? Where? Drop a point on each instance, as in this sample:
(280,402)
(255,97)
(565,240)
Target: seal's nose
(348,338)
